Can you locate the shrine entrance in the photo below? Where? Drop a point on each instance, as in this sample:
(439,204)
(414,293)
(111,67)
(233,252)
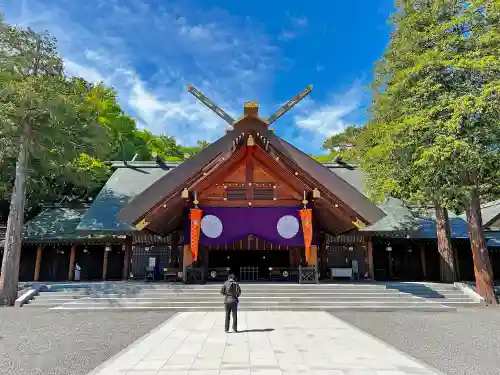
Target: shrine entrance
(247,265)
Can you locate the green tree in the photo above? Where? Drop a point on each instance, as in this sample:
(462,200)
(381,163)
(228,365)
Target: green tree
(434,135)
(342,145)
(44,119)
(202,144)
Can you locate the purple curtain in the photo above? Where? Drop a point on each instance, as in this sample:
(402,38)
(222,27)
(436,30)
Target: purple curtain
(225,225)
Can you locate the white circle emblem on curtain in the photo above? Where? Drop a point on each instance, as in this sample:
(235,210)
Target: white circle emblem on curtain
(288,226)
(211,226)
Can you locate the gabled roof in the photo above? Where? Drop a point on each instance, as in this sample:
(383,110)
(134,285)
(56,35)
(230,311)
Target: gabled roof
(165,185)
(122,187)
(342,189)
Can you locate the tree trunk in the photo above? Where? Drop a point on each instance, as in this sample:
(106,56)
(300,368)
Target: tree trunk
(447,266)
(482,264)
(13,236)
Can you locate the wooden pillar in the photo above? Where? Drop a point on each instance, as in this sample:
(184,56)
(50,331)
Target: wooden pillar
(187,259)
(369,256)
(38,263)
(423,261)
(105,265)
(127,248)
(313,260)
(174,251)
(389,265)
(72,259)
(291,256)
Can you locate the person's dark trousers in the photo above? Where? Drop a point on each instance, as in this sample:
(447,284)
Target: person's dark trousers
(231,309)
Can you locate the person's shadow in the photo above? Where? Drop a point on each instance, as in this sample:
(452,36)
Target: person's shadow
(257,330)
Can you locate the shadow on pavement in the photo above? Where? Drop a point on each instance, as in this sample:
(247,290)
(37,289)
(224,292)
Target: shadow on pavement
(257,330)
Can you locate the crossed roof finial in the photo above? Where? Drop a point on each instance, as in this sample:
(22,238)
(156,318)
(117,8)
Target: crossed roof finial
(250,108)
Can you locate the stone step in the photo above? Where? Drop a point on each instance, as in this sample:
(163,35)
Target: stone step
(61,295)
(243,285)
(244,290)
(245,297)
(460,303)
(438,296)
(283,307)
(262,299)
(242,303)
(427,291)
(443,297)
(250,296)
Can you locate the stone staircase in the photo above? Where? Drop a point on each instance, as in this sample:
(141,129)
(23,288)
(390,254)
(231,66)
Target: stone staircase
(257,296)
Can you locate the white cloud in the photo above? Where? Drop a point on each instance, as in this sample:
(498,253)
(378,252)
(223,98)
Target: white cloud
(90,74)
(333,116)
(150,53)
(297,26)
(300,21)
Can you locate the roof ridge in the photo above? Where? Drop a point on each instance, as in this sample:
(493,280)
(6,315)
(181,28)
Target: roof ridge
(490,204)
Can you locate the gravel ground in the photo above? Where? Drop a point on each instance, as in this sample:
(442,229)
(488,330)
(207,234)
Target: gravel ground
(42,342)
(465,342)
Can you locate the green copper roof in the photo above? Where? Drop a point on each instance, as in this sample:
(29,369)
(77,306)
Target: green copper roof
(398,216)
(490,211)
(121,188)
(54,224)
(2,235)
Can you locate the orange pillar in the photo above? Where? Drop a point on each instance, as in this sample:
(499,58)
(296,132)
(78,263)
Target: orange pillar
(187,259)
(38,263)
(72,259)
(313,256)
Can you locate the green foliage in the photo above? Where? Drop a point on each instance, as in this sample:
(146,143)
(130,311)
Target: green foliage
(435,131)
(342,145)
(74,125)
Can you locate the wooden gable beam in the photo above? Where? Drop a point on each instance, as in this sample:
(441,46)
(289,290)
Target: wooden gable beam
(214,164)
(353,217)
(288,180)
(297,184)
(220,171)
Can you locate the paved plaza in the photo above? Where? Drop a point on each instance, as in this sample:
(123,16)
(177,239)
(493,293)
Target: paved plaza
(268,343)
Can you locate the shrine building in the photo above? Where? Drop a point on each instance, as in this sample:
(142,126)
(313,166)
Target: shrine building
(251,204)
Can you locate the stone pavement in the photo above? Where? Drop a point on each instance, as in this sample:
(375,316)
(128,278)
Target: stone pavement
(268,343)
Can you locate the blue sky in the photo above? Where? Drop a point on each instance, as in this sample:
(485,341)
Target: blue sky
(233,51)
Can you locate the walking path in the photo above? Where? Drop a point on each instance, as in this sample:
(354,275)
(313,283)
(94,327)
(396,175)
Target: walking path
(269,343)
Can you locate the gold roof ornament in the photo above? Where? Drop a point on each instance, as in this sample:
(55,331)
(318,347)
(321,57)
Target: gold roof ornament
(142,224)
(250,141)
(251,109)
(359,224)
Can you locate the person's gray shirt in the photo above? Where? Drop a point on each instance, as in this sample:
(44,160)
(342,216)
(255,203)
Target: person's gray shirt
(231,291)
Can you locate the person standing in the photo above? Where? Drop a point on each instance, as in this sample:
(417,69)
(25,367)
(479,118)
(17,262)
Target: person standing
(231,291)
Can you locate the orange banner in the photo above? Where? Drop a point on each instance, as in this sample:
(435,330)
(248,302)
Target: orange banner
(195,217)
(307,228)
